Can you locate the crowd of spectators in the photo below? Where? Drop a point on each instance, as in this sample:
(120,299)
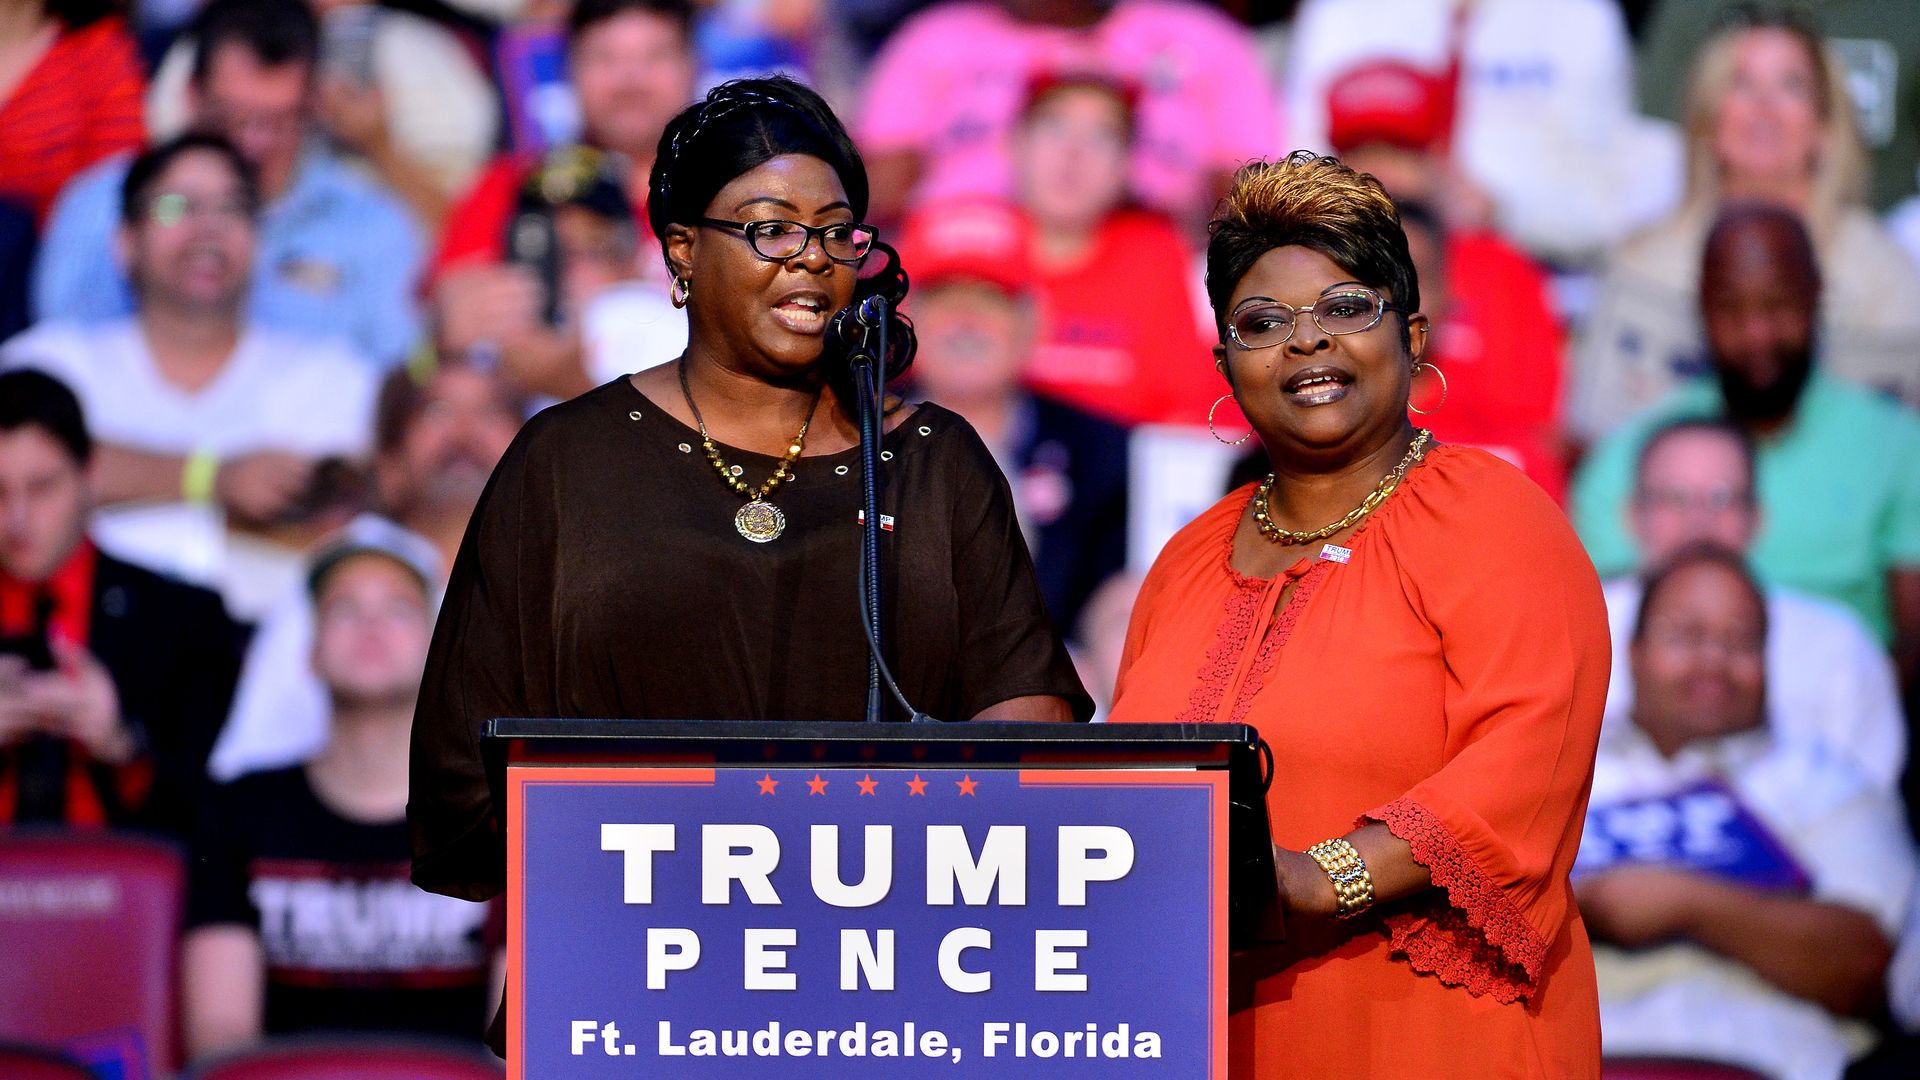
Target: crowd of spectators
(281,279)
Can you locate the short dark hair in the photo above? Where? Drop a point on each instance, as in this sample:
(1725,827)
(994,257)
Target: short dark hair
(1420,214)
(30,397)
(740,126)
(1704,553)
(137,188)
(77,14)
(587,14)
(1316,202)
(1701,425)
(403,394)
(1797,255)
(276,32)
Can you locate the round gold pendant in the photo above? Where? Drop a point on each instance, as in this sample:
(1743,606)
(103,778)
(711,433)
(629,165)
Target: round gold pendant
(760,521)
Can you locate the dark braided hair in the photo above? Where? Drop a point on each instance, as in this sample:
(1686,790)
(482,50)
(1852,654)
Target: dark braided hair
(743,124)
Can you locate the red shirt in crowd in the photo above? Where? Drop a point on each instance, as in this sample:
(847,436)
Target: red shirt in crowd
(67,595)
(1500,346)
(476,228)
(1121,328)
(80,103)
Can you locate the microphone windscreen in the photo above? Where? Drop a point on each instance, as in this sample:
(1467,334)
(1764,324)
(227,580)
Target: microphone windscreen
(845,326)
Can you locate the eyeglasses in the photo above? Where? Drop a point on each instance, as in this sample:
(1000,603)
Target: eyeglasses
(172,207)
(1261,322)
(1690,638)
(846,242)
(1718,500)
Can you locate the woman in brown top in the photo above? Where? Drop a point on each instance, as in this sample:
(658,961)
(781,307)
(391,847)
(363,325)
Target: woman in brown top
(621,565)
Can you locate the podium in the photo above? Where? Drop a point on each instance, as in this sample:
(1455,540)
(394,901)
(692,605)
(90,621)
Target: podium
(707,899)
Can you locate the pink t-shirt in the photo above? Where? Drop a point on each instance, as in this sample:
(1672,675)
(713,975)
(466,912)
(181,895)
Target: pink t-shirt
(951,84)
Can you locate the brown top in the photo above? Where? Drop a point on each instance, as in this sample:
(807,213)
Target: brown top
(602,576)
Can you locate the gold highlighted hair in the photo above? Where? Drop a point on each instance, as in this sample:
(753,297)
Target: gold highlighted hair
(1306,188)
(1316,202)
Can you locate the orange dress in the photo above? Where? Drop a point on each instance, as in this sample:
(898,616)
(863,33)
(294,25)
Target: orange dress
(1448,681)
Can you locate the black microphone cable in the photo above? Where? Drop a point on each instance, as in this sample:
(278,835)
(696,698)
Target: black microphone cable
(868,321)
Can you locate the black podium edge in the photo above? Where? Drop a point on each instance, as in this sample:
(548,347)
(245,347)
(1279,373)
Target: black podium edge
(724,732)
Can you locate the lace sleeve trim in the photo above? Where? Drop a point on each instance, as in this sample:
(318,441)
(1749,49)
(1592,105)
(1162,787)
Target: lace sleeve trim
(1480,940)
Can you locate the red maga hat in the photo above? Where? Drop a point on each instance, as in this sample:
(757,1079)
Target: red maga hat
(968,240)
(1047,80)
(1388,101)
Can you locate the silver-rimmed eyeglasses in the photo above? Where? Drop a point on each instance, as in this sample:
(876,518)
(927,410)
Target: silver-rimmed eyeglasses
(778,240)
(1261,322)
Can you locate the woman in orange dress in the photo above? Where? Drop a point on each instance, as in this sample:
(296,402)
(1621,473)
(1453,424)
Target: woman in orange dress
(1418,635)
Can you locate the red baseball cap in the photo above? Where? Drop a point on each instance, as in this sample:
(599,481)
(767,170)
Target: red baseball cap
(1047,80)
(1391,102)
(973,240)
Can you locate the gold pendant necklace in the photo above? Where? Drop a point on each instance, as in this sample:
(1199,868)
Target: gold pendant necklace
(759,520)
(1262,512)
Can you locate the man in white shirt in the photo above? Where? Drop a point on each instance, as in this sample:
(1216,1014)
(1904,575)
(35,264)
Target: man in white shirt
(335,252)
(437,441)
(1743,888)
(1828,680)
(1903,978)
(204,419)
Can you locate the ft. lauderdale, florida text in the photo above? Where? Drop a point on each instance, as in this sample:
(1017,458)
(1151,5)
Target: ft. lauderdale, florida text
(910,1040)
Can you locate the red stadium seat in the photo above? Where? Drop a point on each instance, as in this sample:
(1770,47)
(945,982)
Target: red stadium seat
(27,1063)
(89,929)
(352,1058)
(1672,1069)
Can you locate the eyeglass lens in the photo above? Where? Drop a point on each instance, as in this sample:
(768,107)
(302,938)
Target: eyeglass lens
(173,207)
(1265,324)
(786,239)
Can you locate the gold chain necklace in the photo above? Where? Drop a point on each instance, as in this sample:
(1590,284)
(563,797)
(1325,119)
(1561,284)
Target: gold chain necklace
(1262,511)
(759,520)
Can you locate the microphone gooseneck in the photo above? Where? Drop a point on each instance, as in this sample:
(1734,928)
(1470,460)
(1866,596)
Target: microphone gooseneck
(863,328)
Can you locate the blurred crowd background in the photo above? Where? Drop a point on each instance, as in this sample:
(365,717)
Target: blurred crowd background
(280,280)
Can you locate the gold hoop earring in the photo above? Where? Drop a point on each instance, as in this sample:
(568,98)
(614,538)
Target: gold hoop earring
(1435,368)
(1215,433)
(682,291)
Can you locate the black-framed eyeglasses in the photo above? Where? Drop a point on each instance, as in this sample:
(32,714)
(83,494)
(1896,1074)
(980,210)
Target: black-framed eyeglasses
(1261,322)
(779,240)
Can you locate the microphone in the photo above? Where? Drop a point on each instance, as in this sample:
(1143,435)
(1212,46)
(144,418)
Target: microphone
(856,324)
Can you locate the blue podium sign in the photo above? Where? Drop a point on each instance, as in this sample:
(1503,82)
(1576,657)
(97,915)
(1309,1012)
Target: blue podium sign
(708,922)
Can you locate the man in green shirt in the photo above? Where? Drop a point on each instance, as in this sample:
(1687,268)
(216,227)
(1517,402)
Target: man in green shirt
(1839,466)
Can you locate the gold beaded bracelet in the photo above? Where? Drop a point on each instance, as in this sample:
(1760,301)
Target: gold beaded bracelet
(1352,885)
